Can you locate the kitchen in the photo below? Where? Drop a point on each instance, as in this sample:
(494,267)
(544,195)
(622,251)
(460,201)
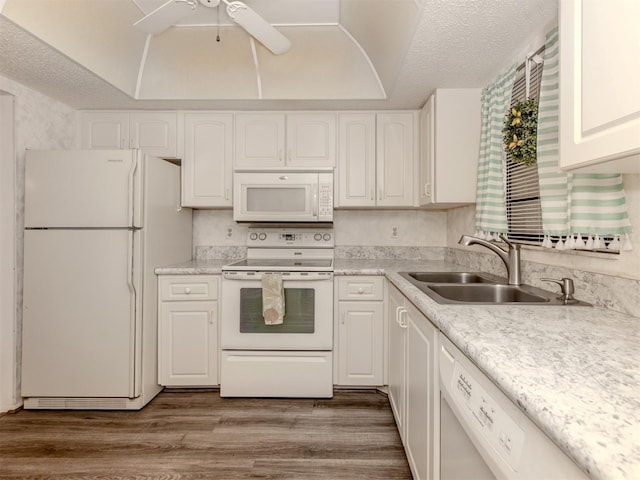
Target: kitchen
(419,234)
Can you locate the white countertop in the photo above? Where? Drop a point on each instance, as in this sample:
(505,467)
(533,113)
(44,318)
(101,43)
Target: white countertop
(573,370)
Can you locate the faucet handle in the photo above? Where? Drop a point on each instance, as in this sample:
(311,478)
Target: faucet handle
(566,286)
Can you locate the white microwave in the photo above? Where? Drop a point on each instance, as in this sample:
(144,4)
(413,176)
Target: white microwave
(283,196)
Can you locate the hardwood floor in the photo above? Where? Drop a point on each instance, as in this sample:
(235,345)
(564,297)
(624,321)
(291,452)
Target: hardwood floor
(198,435)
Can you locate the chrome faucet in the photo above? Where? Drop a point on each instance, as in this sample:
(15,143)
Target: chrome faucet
(510,256)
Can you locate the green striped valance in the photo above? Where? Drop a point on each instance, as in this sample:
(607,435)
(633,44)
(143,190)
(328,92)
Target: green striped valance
(578,209)
(491,214)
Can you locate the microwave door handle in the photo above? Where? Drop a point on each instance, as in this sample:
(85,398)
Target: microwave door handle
(314,201)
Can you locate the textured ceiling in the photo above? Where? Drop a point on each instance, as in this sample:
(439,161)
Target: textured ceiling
(457,43)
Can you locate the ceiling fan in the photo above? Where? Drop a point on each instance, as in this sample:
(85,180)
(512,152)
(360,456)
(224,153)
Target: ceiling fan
(174,10)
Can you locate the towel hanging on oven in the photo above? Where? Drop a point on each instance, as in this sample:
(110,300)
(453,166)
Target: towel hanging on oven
(272,299)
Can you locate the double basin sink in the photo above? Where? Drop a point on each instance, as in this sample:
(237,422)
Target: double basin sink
(481,288)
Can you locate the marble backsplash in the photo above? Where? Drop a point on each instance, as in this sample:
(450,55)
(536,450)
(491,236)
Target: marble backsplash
(215,252)
(386,252)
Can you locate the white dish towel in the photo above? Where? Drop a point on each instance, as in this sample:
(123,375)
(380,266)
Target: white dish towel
(272,299)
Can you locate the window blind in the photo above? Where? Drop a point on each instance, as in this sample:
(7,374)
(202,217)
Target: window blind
(522,187)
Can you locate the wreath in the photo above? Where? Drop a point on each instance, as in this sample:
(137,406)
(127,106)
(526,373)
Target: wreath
(520,132)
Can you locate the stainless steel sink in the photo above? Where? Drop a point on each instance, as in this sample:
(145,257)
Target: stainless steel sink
(450,277)
(481,288)
(487,294)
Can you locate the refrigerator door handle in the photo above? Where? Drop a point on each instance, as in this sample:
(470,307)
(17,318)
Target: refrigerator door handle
(133,190)
(133,270)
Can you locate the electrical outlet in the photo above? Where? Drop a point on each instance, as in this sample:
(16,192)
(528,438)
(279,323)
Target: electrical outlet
(229,232)
(395,232)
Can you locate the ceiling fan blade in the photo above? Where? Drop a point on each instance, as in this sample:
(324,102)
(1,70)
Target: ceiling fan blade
(258,27)
(165,15)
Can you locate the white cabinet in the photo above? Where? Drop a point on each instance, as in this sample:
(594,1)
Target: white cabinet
(356,170)
(599,94)
(422,394)
(105,130)
(360,331)
(377,159)
(207,165)
(188,330)
(260,140)
(276,140)
(413,383)
(154,133)
(397,357)
(450,124)
(396,153)
(311,140)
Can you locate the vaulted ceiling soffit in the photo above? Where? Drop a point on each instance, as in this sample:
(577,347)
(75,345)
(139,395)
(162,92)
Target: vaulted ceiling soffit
(204,49)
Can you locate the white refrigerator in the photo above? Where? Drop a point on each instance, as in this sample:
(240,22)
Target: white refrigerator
(97,223)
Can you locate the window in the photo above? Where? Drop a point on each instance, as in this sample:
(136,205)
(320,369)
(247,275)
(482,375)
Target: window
(522,189)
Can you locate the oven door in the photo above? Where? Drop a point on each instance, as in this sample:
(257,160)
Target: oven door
(308,318)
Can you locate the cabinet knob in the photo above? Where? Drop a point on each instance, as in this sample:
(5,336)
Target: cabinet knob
(187,291)
(360,290)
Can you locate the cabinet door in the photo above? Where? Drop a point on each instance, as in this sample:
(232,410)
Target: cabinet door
(155,133)
(599,94)
(208,156)
(397,343)
(105,130)
(427,151)
(260,140)
(422,391)
(395,159)
(357,160)
(448,163)
(361,343)
(188,344)
(311,140)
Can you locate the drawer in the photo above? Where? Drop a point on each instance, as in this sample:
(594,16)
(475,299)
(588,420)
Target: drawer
(188,287)
(361,288)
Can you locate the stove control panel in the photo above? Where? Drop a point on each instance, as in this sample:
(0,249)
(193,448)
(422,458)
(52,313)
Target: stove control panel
(288,237)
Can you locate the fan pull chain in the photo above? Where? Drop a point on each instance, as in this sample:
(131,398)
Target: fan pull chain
(218,23)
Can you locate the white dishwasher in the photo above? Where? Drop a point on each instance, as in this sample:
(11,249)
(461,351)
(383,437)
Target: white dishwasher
(483,435)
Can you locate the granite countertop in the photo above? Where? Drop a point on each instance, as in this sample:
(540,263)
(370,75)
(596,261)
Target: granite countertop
(194,267)
(573,370)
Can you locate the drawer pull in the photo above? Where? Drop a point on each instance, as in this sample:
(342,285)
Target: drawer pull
(187,291)
(360,290)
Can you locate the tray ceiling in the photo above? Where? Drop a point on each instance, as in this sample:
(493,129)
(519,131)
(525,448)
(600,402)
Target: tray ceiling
(346,54)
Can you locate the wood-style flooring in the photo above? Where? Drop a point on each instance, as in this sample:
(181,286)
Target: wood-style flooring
(198,435)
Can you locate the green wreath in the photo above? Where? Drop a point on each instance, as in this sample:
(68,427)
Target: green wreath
(520,132)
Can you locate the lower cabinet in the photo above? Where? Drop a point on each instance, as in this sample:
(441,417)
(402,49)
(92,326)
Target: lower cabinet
(397,357)
(188,330)
(360,331)
(413,383)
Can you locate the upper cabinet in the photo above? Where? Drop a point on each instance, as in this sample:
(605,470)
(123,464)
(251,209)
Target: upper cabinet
(599,94)
(377,159)
(155,133)
(208,160)
(277,140)
(356,172)
(396,158)
(311,140)
(260,140)
(105,130)
(450,124)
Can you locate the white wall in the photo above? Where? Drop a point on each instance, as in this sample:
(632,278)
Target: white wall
(40,122)
(8,360)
